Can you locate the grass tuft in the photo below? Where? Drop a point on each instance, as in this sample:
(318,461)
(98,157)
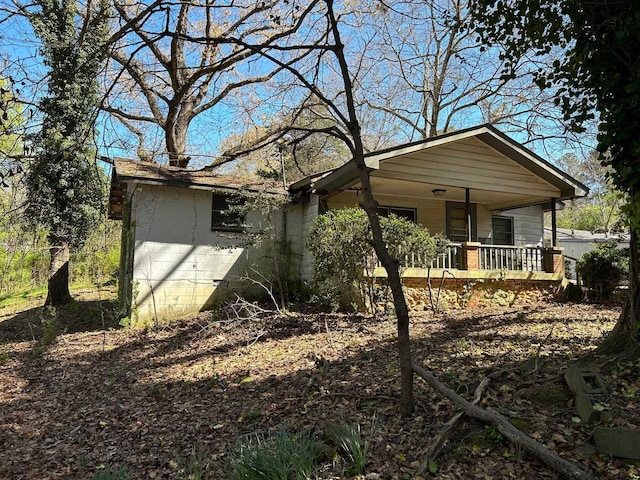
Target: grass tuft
(194,467)
(282,456)
(349,441)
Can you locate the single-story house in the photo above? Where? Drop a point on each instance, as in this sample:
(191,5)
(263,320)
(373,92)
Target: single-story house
(486,192)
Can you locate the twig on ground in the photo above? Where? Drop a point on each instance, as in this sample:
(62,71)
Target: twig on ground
(329,336)
(438,443)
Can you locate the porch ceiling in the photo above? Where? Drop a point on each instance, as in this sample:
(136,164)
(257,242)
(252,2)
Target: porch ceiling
(494,199)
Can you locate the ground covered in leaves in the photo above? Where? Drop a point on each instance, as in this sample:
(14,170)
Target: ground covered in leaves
(79,394)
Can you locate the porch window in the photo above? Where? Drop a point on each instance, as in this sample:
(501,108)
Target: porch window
(502,228)
(457,222)
(406,213)
(225,214)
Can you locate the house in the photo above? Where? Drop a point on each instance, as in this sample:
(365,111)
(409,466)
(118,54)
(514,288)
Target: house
(185,241)
(483,190)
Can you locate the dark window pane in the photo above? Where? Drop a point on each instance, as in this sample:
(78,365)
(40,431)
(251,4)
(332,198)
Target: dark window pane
(225,215)
(406,213)
(502,230)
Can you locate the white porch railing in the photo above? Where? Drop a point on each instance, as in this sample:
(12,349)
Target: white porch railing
(502,257)
(450,259)
(490,257)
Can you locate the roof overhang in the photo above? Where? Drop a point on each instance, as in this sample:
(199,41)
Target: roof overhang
(408,170)
(130,172)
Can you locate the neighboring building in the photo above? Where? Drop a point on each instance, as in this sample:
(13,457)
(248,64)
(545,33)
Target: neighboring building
(483,190)
(576,243)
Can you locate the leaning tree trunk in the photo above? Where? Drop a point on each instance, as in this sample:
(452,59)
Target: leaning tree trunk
(58,285)
(624,339)
(369,205)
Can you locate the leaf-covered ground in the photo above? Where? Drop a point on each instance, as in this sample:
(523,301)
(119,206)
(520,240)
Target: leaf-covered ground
(101,397)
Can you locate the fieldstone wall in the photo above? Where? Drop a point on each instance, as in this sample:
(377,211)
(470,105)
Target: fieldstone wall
(457,294)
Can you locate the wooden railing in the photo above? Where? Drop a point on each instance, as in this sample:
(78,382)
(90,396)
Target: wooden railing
(490,257)
(499,257)
(450,259)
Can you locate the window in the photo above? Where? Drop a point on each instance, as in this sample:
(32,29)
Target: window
(406,213)
(502,230)
(457,222)
(226,216)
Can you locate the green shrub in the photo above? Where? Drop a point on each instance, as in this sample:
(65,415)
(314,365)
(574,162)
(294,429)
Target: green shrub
(338,242)
(602,269)
(283,456)
(344,259)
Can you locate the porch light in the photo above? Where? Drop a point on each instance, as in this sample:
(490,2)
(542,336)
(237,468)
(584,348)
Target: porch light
(438,192)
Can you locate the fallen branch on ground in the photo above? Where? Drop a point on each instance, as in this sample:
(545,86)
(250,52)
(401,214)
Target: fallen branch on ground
(565,468)
(438,443)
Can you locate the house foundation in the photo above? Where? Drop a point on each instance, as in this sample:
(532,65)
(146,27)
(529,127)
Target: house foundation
(450,293)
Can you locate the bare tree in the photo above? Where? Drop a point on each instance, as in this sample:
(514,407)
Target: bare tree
(159,78)
(320,70)
(429,74)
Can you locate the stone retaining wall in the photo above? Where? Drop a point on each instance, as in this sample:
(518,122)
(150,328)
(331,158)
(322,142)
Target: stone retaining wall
(456,294)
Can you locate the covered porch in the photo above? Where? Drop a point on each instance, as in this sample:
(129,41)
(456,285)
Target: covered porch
(473,260)
(486,193)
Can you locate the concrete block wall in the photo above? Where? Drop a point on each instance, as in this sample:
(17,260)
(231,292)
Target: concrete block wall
(180,265)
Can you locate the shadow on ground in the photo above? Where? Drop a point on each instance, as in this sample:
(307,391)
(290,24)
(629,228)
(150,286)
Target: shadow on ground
(76,317)
(149,398)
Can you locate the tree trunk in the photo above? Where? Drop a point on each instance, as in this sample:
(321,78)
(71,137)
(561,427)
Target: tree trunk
(557,463)
(58,285)
(624,339)
(370,205)
(176,139)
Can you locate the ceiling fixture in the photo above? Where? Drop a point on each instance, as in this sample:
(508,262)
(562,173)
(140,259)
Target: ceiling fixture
(438,192)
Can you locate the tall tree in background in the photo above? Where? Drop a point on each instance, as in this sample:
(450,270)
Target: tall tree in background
(287,149)
(601,210)
(159,79)
(430,74)
(63,183)
(599,72)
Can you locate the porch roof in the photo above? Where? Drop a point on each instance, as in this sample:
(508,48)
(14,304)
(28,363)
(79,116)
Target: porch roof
(499,171)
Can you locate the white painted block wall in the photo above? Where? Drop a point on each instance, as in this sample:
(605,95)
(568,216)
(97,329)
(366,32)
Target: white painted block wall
(180,265)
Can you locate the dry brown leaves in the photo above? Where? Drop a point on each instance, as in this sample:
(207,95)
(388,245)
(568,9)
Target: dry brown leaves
(143,400)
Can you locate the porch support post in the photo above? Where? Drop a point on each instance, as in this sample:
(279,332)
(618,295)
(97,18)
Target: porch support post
(471,256)
(553,261)
(467,204)
(554,226)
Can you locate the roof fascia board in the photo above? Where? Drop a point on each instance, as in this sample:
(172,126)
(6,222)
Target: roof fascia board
(343,177)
